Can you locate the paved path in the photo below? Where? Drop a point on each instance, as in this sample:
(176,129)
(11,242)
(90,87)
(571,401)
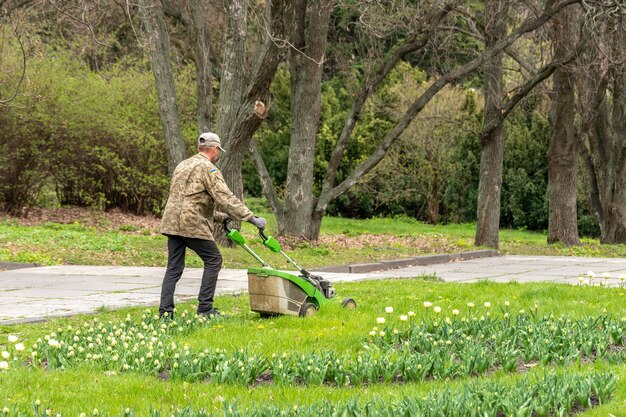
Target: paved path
(33,294)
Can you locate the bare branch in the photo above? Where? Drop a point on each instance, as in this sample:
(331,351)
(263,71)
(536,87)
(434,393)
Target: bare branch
(81,22)
(522,63)
(509,51)
(23,75)
(126,8)
(412,44)
(523,90)
(266,182)
(529,25)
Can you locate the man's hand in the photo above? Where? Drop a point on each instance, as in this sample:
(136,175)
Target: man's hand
(220,217)
(258,222)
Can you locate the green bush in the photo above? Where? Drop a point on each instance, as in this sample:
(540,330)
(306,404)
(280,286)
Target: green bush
(460,195)
(22,169)
(525,180)
(23,145)
(96,141)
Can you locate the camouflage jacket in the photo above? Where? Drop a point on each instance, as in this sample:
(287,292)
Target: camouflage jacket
(197,187)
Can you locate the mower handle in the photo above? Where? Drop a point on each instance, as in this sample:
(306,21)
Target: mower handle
(225,224)
(274,246)
(228,229)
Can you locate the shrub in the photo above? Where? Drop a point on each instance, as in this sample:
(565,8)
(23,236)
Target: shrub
(97,142)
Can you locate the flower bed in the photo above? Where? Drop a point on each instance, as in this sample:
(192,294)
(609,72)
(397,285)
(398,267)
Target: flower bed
(406,349)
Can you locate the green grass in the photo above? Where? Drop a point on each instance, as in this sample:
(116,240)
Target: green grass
(342,241)
(80,390)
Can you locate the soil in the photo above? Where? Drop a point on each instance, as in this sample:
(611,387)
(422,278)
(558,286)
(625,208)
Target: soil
(110,220)
(115,220)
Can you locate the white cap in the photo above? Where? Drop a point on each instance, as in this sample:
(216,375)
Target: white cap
(210,139)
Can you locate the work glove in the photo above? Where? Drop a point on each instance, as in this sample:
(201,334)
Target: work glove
(259,222)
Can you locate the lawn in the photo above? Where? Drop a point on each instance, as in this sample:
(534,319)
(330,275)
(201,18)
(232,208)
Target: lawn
(232,349)
(538,349)
(81,240)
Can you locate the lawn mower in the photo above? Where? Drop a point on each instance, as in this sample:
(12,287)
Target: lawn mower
(275,292)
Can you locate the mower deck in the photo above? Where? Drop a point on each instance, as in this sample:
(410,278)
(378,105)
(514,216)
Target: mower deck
(274,292)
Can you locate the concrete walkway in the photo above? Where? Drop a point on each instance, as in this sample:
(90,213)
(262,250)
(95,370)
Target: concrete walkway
(38,293)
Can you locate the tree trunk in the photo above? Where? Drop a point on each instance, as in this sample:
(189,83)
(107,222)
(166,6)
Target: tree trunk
(159,46)
(614,230)
(612,177)
(603,88)
(233,70)
(492,140)
(310,28)
(204,80)
(563,149)
(434,198)
(231,91)
(237,119)
(490,182)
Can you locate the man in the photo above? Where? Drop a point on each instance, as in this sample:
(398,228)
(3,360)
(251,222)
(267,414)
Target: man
(189,221)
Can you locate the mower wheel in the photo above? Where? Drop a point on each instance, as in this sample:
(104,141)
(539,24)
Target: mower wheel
(308,310)
(349,303)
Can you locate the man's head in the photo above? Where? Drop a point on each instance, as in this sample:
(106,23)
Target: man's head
(210,145)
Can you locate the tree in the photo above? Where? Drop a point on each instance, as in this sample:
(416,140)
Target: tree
(602,102)
(424,24)
(159,48)
(563,150)
(310,19)
(243,106)
(487,230)
(201,19)
(491,140)
(303,208)
(204,80)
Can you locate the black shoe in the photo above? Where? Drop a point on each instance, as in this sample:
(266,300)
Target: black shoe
(212,313)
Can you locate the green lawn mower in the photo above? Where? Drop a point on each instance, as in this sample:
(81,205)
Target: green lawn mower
(275,292)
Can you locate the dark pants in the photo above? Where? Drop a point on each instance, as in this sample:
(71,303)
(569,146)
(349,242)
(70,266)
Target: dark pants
(209,253)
